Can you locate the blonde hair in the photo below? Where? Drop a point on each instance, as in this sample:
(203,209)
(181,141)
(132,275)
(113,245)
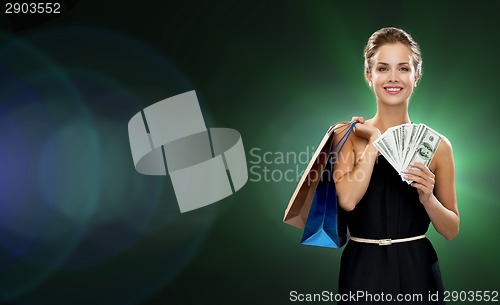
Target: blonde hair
(392,35)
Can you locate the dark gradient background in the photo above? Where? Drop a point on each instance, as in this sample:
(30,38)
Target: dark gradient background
(78,225)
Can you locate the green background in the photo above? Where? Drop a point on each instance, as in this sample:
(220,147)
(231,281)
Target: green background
(82,227)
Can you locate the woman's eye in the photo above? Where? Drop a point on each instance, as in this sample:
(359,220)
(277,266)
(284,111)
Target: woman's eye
(405,69)
(382,69)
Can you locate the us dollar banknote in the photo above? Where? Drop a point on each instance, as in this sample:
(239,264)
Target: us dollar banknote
(407,143)
(425,149)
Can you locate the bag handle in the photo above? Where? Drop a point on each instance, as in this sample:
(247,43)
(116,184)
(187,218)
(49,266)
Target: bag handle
(341,142)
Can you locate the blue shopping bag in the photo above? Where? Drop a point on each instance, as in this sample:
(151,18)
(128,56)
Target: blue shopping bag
(325,224)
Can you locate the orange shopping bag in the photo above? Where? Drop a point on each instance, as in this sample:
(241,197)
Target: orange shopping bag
(300,203)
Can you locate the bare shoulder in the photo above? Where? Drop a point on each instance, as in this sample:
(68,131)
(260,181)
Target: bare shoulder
(444,155)
(341,125)
(354,145)
(339,130)
(444,148)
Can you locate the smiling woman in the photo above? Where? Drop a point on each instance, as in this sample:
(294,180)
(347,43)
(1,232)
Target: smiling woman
(388,218)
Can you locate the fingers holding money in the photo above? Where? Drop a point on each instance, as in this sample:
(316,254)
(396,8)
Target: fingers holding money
(420,174)
(423,180)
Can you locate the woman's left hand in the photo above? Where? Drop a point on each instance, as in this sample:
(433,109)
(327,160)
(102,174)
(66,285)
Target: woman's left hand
(423,181)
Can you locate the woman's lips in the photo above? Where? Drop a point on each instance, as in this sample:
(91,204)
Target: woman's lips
(393,90)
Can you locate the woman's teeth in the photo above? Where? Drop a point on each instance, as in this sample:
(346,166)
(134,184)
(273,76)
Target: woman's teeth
(393,89)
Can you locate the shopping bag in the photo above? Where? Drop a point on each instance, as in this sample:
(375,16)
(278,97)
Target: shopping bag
(298,207)
(326,225)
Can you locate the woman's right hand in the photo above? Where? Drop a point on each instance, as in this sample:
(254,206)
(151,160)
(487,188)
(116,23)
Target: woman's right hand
(365,131)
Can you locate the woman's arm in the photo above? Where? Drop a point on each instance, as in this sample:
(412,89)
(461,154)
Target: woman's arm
(351,177)
(437,191)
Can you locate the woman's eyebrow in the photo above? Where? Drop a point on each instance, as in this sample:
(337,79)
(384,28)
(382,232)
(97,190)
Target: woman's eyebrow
(386,64)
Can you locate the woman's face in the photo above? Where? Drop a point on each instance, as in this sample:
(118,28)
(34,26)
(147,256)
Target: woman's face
(392,74)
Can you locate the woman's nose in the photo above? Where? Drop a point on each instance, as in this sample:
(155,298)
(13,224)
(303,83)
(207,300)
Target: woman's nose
(394,76)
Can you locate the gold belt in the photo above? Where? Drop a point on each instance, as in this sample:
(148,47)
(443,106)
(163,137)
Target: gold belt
(386,241)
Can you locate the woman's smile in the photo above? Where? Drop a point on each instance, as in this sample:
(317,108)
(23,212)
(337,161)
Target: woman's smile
(393,90)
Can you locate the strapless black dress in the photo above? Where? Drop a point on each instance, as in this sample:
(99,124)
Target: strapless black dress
(390,208)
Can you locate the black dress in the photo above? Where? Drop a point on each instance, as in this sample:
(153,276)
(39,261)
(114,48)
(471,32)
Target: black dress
(390,208)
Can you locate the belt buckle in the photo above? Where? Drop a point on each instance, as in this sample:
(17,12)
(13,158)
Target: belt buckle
(385,242)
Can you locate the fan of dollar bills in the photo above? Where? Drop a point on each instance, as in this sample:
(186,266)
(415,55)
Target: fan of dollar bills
(407,143)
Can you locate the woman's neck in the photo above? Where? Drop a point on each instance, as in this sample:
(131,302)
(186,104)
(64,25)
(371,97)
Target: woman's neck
(388,116)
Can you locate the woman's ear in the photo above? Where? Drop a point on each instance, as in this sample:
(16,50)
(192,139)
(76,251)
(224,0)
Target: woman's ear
(368,77)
